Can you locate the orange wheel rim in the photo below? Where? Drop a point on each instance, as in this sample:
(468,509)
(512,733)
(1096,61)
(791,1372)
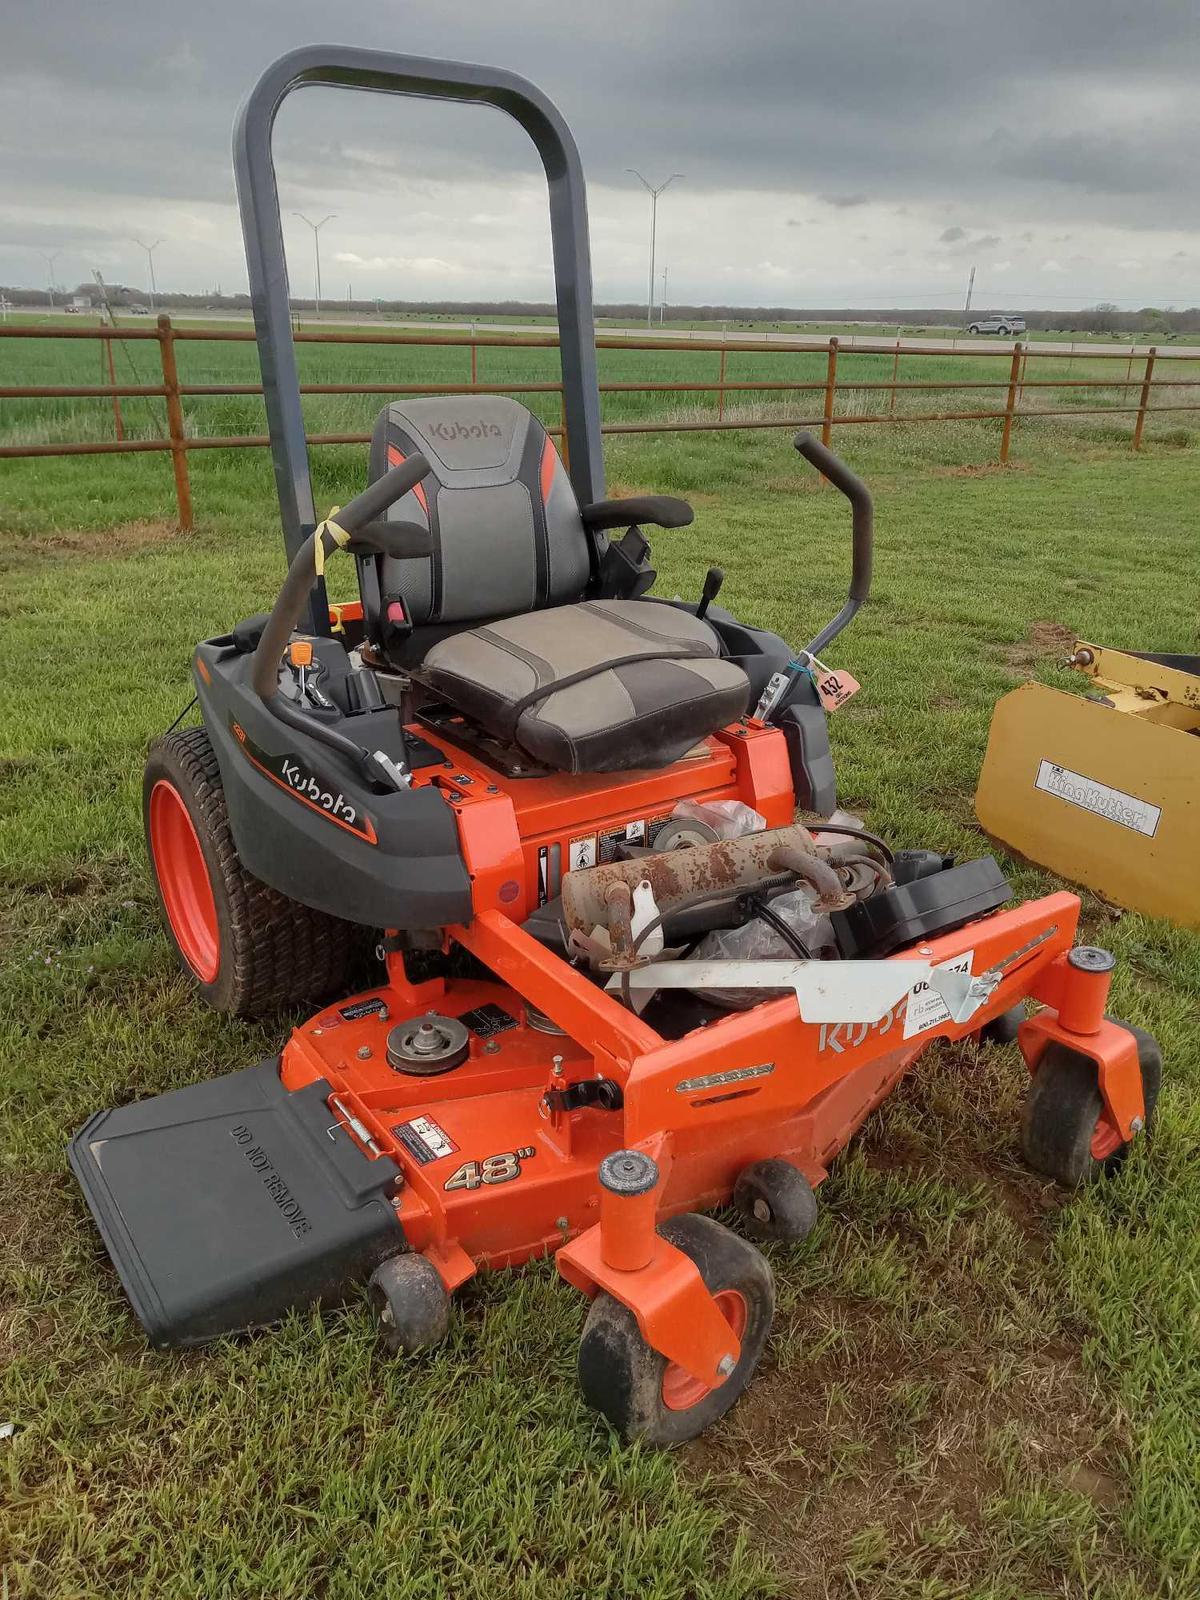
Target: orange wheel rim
(680,1391)
(1106,1139)
(183,881)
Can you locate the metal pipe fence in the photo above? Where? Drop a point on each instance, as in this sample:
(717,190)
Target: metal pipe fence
(178,443)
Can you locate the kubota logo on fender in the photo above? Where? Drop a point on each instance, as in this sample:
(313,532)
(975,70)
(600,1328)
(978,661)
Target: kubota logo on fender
(292,774)
(449,432)
(304,783)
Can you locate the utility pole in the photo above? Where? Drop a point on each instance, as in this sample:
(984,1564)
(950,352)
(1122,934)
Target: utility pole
(50,260)
(316,228)
(662,304)
(970,292)
(654,194)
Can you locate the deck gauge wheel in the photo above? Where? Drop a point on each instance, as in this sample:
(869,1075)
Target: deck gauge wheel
(775,1201)
(410,1303)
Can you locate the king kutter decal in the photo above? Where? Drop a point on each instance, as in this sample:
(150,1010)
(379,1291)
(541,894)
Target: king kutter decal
(295,775)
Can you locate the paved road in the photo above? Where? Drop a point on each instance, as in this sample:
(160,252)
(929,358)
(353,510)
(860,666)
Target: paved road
(928,342)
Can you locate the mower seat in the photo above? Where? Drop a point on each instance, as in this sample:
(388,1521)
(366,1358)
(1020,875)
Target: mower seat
(582,685)
(596,687)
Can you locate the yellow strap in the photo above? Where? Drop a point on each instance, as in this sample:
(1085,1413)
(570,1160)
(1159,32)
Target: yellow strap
(337,533)
(338,626)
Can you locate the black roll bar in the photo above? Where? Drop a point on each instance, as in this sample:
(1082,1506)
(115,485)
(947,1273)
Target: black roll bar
(340,66)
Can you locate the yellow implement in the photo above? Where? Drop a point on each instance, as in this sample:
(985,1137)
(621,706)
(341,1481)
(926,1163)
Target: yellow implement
(1104,789)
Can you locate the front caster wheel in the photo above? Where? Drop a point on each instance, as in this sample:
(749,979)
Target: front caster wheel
(640,1392)
(1065,1130)
(410,1303)
(775,1201)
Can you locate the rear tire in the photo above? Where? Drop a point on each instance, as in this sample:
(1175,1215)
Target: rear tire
(641,1393)
(248,949)
(1063,1119)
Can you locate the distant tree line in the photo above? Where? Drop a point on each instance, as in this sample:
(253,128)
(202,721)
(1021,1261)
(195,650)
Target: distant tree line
(1102,318)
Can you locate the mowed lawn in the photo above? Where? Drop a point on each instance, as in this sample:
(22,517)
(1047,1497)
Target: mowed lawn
(973,1388)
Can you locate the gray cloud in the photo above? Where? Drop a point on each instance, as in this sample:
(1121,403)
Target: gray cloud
(1092,122)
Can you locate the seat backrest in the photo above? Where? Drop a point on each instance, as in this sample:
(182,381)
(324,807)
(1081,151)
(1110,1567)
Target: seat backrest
(507,534)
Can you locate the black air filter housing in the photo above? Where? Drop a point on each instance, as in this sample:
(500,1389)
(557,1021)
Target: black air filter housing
(909,913)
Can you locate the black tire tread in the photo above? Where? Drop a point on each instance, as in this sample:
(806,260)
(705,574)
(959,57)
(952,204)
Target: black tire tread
(1064,1103)
(275,952)
(621,1376)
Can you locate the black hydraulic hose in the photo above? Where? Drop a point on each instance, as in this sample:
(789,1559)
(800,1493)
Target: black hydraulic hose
(789,935)
(700,897)
(862,534)
(856,833)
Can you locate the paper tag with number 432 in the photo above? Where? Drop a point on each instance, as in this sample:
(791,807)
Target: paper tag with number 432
(835,688)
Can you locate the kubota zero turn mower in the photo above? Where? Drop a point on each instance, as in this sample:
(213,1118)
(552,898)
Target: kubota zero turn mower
(624,986)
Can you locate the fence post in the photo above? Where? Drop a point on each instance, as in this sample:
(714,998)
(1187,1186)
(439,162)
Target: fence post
(474,365)
(1144,402)
(830,392)
(721,388)
(170,372)
(118,420)
(895,376)
(1014,374)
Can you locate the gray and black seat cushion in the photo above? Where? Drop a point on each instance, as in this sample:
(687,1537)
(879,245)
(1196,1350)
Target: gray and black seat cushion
(584,686)
(597,687)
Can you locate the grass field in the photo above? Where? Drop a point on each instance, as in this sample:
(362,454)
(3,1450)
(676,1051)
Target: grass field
(972,1389)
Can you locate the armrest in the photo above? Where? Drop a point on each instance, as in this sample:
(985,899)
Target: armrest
(660,510)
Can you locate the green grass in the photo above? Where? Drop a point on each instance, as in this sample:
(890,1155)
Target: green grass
(971,1391)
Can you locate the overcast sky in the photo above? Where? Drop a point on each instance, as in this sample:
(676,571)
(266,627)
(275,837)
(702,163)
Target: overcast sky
(865,152)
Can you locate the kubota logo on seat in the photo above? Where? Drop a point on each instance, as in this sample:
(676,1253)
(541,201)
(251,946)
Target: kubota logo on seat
(449,432)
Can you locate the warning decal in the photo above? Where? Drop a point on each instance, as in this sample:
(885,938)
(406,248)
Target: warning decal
(926,1008)
(425,1139)
(582,853)
(1114,805)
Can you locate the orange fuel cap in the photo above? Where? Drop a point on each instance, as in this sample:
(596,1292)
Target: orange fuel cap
(300,653)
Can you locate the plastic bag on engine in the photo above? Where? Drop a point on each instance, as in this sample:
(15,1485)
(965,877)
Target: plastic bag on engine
(729,819)
(757,940)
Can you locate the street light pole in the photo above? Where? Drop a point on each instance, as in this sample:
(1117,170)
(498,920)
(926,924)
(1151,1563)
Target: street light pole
(316,228)
(654,194)
(662,304)
(50,260)
(150,249)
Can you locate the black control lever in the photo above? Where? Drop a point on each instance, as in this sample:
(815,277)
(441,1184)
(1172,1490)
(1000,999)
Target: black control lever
(360,520)
(712,588)
(862,526)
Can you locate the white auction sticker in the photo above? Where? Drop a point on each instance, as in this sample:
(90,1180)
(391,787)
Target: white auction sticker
(926,1009)
(1114,805)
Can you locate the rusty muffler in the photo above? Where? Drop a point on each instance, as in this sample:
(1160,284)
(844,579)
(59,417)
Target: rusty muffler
(729,865)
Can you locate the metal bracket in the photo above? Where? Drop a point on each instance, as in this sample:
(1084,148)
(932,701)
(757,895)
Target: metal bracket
(603,1093)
